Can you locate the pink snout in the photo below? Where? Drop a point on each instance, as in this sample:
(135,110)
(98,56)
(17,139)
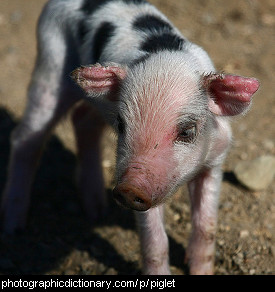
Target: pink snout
(132,197)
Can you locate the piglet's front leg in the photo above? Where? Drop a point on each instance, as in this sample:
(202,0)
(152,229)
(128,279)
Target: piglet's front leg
(153,241)
(204,194)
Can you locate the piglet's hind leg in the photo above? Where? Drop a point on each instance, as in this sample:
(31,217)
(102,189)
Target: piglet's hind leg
(45,108)
(51,94)
(88,127)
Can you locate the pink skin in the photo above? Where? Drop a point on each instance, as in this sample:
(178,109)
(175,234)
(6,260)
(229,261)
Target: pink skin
(174,110)
(201,248)
(27,141)
(232,94)
(154,241)
(150,172)
(150,168)
(104,79)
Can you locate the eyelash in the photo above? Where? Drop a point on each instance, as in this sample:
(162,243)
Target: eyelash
(187,133)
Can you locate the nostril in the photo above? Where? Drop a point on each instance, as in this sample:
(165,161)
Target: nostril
(132,197)
(139,200)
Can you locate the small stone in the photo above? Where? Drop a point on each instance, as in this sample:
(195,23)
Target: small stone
(244,233)
(176,217)
(111,271)
(188,226)
(268,19)
(269,145)
(240,255)
(106,163)
(244,156)
(208,18)
(256,174)
(16,17)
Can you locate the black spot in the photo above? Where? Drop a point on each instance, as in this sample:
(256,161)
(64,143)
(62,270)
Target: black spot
(151,23)
(90,6)
(165,41)
(83,30)
(101,39)
(134,1)
(139,60)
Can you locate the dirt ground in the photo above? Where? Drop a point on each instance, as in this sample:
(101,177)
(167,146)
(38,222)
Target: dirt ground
(239,36)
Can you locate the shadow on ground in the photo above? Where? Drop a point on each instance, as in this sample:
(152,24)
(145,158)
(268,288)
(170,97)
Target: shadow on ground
(56,224)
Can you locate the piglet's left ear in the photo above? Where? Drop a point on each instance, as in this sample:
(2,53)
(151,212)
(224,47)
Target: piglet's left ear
(229,95)
(99,80)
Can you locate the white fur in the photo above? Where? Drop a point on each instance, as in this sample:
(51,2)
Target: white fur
(155,97)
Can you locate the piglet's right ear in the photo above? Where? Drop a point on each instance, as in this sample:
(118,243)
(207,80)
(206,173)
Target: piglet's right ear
(97,80)
(229,95)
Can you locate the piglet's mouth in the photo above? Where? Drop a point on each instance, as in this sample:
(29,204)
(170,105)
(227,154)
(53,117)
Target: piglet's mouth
(130,196)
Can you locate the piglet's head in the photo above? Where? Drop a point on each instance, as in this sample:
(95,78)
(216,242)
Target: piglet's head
(164,119)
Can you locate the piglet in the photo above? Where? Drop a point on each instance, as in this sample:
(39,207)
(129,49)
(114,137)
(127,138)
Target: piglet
(169,106)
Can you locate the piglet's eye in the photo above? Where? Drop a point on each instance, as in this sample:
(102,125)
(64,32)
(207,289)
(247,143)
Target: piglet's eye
(187,133)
